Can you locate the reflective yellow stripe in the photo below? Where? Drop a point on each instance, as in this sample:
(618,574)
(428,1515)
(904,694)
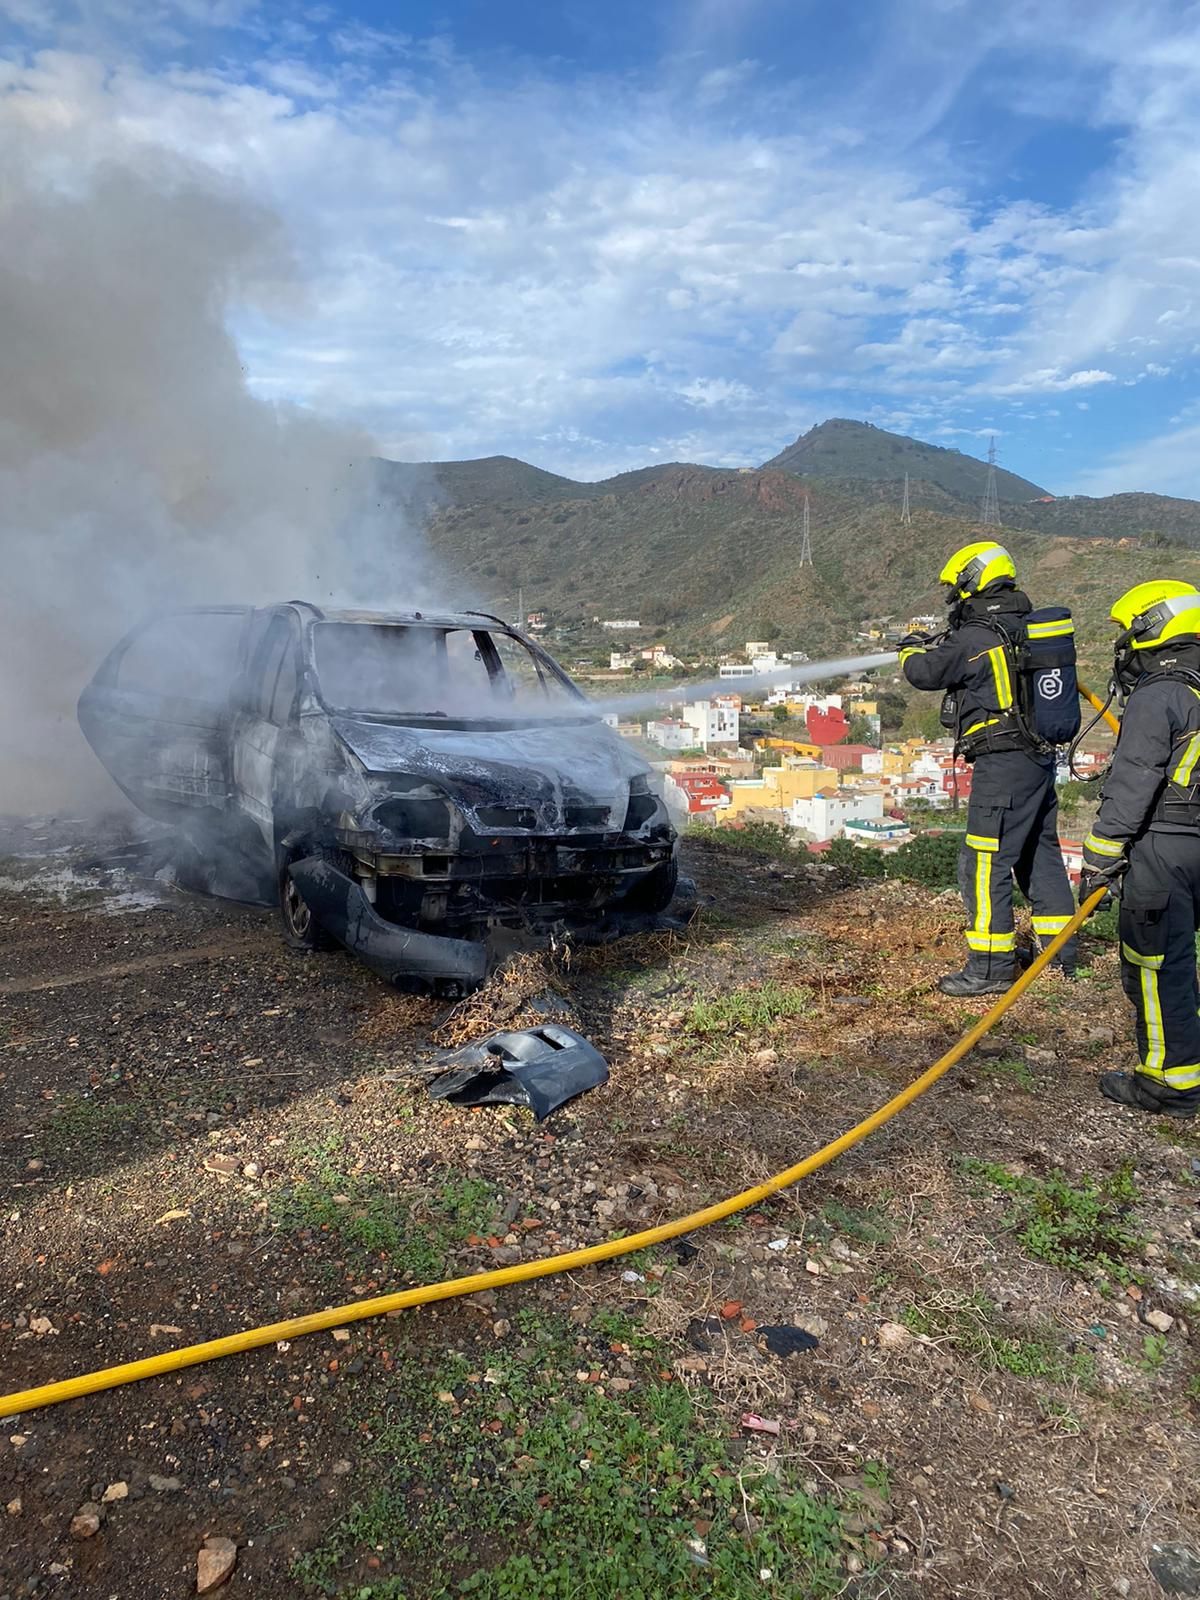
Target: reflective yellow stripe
(1183,772)
(999,661)
(975,726)
(1001,942)
(1049,924)
(1103,847)
(1156,1043)
(1050,630)
(913,650)
(982,841)
(1174,1077)
(1138,959)
(983,895)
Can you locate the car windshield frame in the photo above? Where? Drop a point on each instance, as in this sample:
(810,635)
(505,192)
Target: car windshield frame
(563,701)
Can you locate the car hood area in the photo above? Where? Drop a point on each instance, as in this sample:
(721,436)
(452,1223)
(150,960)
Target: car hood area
(546,762)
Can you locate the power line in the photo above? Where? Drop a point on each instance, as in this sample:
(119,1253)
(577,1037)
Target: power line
(989,515)
(806,557)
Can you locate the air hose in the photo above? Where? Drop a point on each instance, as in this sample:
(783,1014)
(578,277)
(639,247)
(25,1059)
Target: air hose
(1100,706)
(319,1321)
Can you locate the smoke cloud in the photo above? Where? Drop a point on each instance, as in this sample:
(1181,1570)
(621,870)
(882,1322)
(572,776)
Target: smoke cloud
(137,471)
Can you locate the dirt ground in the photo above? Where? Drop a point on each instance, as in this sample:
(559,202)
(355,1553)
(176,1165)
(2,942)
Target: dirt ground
(992,1390)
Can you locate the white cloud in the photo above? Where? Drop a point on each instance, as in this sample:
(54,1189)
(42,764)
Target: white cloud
(492,260)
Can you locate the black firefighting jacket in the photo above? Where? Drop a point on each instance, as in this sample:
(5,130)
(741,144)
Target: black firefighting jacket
(1153,784)
(972,664)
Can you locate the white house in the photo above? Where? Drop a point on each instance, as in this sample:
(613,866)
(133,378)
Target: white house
(826,815)
(713,722)
(618,661)
(671,734)
(621,625)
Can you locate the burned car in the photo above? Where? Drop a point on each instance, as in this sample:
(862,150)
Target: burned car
(408,784)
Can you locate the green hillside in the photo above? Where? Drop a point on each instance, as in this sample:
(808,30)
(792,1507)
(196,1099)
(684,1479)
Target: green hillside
(1150,518)
(712,558)
(844,449)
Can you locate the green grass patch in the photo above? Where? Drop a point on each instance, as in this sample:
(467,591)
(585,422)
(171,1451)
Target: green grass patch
(84,1131)
(533,1485)
(754,1010)
(1080,1227)
(972,1324)
(1010,1069)
(414,1230)
(864,1223)
(767,840)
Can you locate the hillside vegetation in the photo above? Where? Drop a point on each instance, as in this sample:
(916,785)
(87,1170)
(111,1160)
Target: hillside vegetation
(713,557)
(841,448)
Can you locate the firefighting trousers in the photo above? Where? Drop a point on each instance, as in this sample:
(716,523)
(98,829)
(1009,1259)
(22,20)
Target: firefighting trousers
(1160,913)
(1012,834)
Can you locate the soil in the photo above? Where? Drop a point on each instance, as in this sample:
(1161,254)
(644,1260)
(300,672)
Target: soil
(204,1132)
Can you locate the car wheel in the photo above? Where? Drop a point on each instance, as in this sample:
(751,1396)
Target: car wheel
(301,930)
(655,891)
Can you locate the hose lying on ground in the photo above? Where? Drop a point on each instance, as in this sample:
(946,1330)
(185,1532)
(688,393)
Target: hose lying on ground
(254,1338)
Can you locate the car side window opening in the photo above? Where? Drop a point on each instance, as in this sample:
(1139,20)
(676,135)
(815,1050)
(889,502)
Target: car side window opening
(286,684)
(526,680)
(184,656)
(268,667)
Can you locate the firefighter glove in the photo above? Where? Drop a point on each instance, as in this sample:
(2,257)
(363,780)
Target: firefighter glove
(1106,877)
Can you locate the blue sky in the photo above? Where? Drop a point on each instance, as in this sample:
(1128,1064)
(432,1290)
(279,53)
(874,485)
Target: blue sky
(596,235)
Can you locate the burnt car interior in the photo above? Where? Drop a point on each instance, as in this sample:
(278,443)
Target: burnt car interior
(406,785)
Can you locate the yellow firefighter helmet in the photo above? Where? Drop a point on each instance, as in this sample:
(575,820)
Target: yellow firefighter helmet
(975,566)
(1157,612)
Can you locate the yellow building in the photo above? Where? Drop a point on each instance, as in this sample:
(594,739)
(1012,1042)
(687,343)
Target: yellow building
(777,789)
(864,708)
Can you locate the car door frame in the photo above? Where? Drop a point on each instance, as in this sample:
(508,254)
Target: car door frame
(168,754)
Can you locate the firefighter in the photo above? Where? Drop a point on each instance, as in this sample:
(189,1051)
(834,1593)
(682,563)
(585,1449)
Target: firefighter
(1145,846)
(1013,810)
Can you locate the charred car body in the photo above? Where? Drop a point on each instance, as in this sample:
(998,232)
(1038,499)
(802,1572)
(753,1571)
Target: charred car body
(408,784)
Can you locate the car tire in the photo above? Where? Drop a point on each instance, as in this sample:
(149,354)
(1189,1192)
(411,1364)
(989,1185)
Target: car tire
(655,891)
(300,929)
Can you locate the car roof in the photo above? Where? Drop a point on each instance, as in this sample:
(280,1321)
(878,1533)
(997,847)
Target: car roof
(420,619)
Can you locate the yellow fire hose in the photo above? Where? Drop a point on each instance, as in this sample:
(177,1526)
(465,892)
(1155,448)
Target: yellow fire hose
(254,1338)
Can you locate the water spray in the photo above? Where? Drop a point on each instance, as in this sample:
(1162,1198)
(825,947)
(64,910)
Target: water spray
(803,672)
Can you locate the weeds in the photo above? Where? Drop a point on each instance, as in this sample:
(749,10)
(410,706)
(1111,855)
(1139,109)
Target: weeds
(1154,1354)
(415,1231)
(750,1010)
(1078,1227)
(573,1491)
(975,1328)
(1012,1068)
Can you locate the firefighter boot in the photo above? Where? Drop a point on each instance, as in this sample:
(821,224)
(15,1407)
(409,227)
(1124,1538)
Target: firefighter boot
(1127,1089)
(966,983)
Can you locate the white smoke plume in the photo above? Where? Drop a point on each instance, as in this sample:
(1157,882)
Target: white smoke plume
(137,470)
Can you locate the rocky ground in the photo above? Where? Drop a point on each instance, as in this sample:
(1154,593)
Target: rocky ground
(958,1362)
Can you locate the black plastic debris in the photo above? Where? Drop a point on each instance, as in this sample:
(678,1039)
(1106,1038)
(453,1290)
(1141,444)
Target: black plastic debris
(541,1068)
(782,1339)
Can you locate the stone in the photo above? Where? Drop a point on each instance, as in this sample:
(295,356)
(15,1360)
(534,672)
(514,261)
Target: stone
(115,1491)
(214,1564)
(342,1469)
(252,1170)
(893,1336)
(163,1485)
(223,1166)
(14,1507)
(765,1058)
(1163,1321)
(1176,1568)
(85,1524)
